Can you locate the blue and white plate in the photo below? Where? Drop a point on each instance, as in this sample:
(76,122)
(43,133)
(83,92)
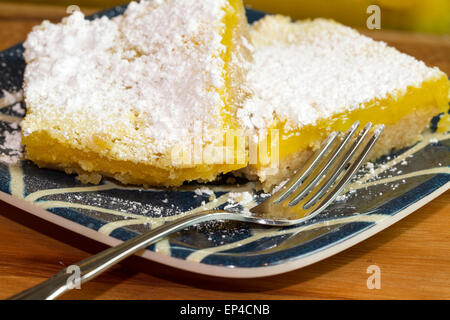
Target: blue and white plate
(381,195)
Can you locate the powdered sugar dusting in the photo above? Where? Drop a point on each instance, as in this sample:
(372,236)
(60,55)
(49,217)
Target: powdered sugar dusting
(310,70)
(159,63)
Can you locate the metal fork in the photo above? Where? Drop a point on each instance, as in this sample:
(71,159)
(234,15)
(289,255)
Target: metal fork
(304,196)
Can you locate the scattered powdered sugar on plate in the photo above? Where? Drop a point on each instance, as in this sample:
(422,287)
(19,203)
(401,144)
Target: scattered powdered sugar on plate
(434,141)
(10,98)
(11,149)
(203,190)
(370,167)
(239,199)
(17,108)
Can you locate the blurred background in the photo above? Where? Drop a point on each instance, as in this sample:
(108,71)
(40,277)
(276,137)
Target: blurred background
(430,16)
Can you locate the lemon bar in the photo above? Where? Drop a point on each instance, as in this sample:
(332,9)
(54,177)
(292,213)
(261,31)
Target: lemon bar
(309,78)
(117,97)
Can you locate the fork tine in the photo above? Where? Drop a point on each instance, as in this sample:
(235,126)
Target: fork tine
(315,177)
(350,172)
(312,163)
(337,170)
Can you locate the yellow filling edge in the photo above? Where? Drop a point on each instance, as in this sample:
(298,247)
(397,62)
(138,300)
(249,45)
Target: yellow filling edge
(390,110)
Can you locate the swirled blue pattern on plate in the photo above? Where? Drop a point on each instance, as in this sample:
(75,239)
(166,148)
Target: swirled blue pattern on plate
(380,195)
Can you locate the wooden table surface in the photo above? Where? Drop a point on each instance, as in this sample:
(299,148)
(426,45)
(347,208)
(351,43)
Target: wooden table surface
(413,255)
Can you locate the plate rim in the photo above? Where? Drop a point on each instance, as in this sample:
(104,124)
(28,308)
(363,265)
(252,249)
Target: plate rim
(226,271)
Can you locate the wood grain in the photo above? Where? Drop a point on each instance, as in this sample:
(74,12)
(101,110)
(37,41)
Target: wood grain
(413,254)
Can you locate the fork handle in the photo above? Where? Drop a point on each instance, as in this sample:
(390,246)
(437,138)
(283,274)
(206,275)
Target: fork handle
(91,267)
